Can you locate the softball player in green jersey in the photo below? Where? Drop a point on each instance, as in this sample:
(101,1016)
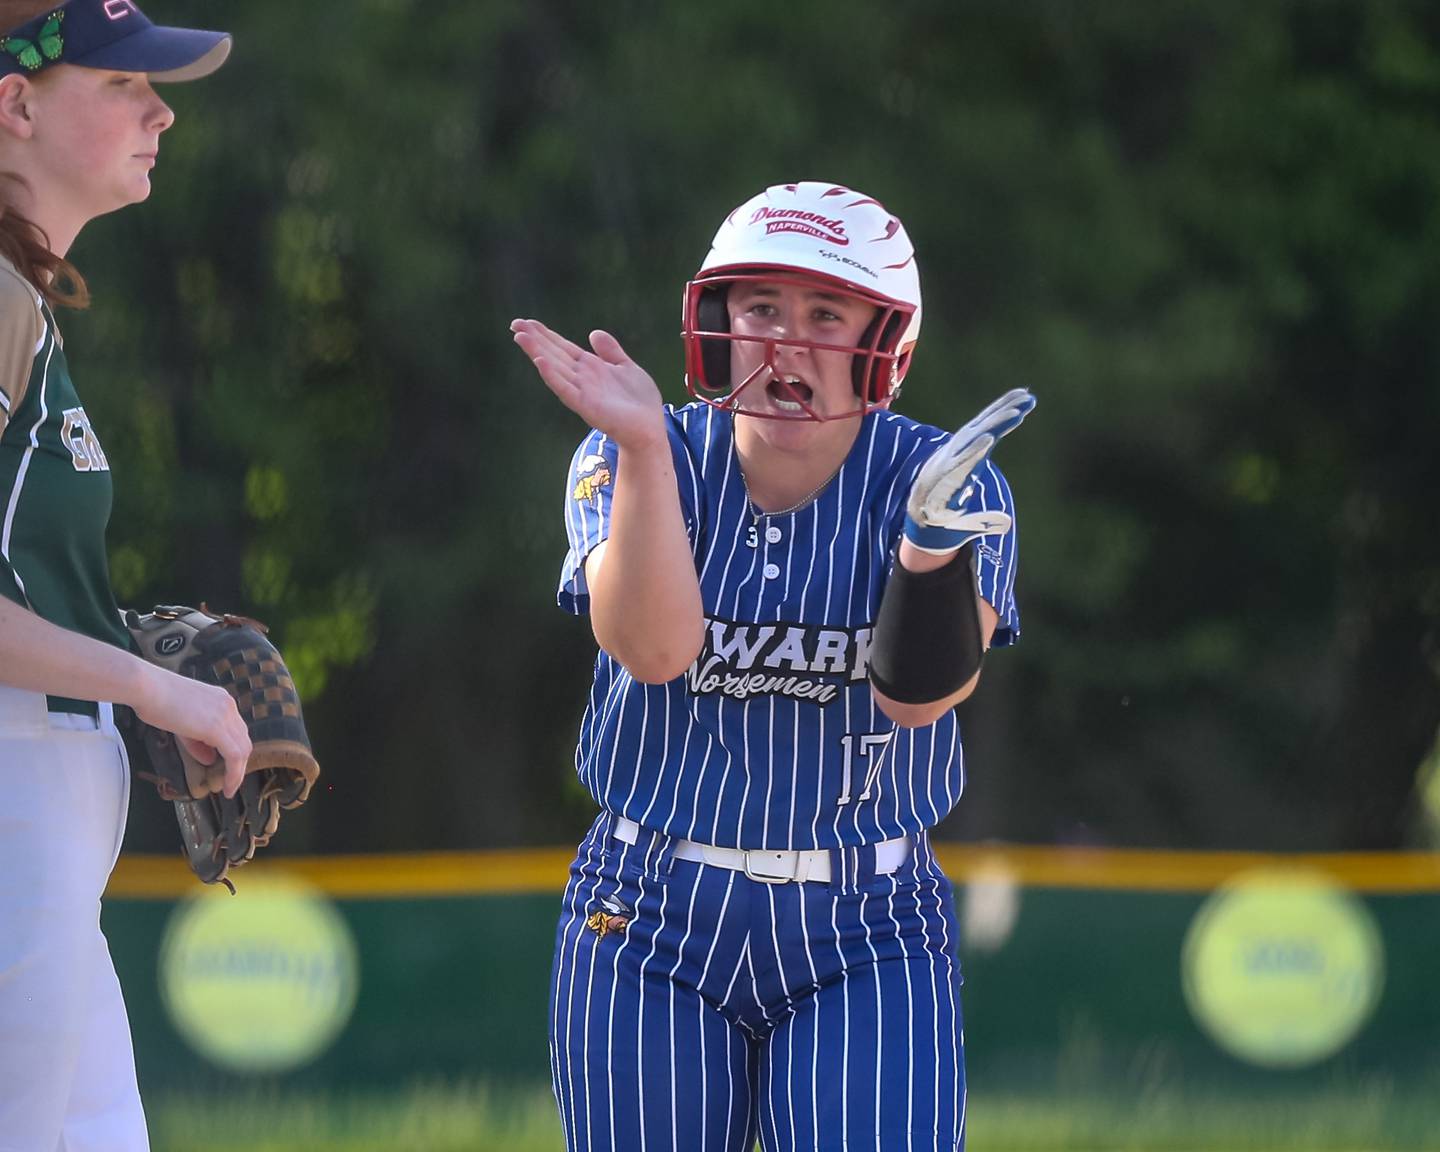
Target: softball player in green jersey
(80,128)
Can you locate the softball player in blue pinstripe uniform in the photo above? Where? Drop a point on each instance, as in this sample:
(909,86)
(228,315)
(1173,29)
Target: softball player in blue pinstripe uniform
(791,587)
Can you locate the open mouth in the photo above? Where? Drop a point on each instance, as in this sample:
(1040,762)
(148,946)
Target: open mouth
(789,393)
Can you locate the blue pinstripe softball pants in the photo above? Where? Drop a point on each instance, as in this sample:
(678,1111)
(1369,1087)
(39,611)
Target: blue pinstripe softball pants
(820,1016)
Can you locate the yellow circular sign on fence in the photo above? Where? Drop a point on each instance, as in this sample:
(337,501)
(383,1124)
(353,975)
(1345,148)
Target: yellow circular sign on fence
(1282,967)
(262,981)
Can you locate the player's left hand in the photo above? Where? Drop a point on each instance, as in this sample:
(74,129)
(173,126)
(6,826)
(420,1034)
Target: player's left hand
(605,388)
(258,741)
(938,517)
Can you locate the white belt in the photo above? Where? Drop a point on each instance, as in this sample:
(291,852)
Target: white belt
(769,865)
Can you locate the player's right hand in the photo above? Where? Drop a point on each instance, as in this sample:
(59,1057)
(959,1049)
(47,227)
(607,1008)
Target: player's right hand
(939,518)
(202,715)
(604,387)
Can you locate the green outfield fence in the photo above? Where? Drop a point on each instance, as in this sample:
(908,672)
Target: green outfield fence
(1075,965)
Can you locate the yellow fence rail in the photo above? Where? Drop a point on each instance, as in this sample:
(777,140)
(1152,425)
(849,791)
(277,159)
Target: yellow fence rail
(541,870)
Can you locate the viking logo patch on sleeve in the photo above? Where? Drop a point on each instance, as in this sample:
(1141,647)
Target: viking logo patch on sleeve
(591,476)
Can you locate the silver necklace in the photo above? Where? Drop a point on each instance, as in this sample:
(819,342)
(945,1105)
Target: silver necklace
(752,533)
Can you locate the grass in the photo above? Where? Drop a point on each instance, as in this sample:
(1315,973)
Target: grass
(1357,1120)
(479,1118)
(424,1118)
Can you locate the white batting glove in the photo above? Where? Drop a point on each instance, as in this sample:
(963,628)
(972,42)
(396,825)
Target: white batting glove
(938,516)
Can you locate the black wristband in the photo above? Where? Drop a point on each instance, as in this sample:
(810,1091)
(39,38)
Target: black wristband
(927,645)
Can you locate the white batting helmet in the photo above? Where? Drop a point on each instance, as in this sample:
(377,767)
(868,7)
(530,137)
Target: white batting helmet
(807,231)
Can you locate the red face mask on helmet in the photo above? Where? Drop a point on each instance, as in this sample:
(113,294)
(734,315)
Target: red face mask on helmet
(809,233)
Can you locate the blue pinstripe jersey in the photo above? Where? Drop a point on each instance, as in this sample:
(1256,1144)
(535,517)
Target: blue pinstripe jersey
(772,739)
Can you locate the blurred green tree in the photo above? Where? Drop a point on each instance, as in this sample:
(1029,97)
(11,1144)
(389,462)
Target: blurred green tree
(1203,233)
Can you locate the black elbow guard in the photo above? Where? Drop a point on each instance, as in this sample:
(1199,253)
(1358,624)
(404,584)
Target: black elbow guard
(927,642)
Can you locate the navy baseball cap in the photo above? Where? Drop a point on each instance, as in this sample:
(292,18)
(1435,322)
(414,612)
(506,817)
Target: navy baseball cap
(114,35)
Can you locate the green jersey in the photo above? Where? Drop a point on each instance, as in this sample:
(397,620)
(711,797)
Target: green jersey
(55,488)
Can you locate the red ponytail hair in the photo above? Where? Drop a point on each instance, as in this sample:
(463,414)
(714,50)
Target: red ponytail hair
(26,246)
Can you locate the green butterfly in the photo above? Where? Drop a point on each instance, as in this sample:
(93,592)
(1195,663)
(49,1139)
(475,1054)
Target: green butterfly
(47,45)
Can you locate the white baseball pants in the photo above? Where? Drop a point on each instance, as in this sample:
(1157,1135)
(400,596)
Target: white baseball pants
(67,1067)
